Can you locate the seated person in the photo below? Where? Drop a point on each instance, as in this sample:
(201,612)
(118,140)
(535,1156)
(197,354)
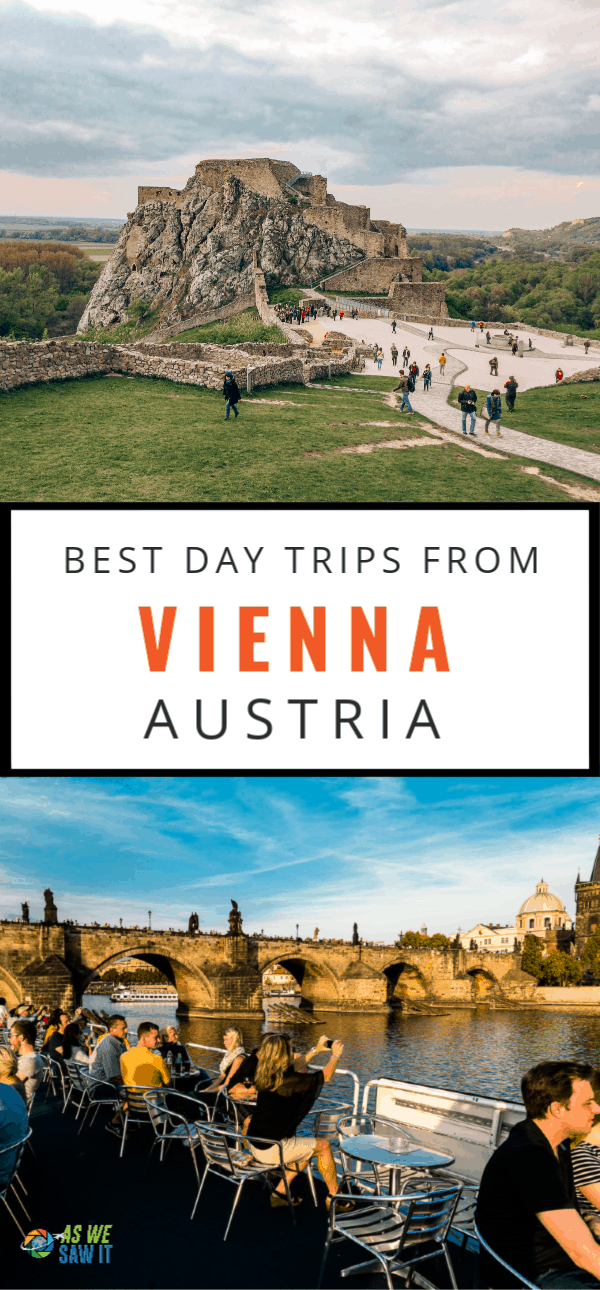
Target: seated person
(53,1023)
(143,1064)
(169,1042)
(29,1065)
(74,1048)
(527,1207)
(585,1156)
(106,1058)
(54,1045)
(234,1053)
(24,1010)
(9,1074)
(14,1126)
(285,1095)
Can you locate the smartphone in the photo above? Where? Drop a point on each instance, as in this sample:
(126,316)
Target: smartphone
(329,1043)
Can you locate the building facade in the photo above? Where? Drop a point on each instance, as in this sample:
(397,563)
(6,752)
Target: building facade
(587,900)
(489,938)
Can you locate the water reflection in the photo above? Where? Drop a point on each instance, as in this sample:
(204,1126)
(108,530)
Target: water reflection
(473,1051)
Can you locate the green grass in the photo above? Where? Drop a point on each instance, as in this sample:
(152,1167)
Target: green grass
(247,326)
(123,333)
(110,439)
(556,412)
(286,295)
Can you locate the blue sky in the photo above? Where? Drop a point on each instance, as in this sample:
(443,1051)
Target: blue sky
(390,853)
(450,112)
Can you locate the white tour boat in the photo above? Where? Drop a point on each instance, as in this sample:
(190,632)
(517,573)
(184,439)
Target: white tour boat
(129,994)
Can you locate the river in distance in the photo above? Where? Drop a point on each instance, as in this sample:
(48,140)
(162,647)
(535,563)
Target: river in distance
(472,1051)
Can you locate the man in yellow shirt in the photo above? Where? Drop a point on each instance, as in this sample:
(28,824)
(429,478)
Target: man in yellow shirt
(442,362)
(142,1065)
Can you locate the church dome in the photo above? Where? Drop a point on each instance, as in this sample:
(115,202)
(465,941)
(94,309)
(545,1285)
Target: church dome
(543,902)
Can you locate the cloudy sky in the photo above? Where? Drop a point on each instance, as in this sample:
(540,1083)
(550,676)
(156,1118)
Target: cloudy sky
(391,853)
(443,113)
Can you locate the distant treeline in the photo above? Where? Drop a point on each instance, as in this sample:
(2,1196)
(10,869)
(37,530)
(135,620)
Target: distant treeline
(43,289)
(543,294)
(72,233)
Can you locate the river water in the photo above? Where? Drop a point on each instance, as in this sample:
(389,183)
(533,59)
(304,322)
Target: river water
(471,1051)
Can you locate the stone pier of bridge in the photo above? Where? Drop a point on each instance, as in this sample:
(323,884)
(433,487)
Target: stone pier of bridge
(221,975)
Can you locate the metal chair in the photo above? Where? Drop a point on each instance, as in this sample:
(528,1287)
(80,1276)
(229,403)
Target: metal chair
(173,1126)
(136,1109)
(389,1226)
(100,1092)
(77,1085)
(60,1075)
(518,1276)
(16,1148)
(228,1156)
(357,1173)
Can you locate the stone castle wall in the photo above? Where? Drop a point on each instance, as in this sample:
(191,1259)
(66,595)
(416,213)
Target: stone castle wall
(418,298)
(375,274)
(24,363)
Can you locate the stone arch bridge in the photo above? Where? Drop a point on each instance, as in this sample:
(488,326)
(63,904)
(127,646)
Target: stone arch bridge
(221,975)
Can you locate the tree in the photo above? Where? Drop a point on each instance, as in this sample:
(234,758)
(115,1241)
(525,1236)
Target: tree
(591,953)
(531,960)
(560,969)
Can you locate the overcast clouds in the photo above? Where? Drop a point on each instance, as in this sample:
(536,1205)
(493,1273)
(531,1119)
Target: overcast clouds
(368,94)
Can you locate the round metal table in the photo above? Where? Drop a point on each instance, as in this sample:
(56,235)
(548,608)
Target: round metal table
(395,1154)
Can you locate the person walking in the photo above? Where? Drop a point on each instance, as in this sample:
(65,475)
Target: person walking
(430,335)
(403,387)
(231,395)
(405,355)
(380,357)
(511,386)
(472,326)
(442,362)
(488,338)
(481,328)
(375,352)
(558,375)
(394,353)
(341,314)
(468,406)
(427,377)
(394,328)
(493,366)
(586,345)
(414,369)
(492,411)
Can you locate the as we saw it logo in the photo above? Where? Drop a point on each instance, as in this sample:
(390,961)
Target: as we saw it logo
(77,1244)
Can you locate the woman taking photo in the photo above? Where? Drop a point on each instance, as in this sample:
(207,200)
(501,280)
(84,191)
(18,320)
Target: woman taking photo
(284,1096)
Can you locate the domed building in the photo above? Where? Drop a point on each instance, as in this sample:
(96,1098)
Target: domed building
(544,915)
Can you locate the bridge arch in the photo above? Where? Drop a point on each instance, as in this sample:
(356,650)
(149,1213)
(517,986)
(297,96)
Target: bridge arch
(405,982)
(10,988)
(319,986)
(484,985)
(192,985)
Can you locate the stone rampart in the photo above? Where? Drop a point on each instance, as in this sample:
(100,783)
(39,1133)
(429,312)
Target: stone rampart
(27,363)
(375,274)
(198,319)
(160,194)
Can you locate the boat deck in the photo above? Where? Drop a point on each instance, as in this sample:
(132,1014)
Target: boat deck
(155,1246)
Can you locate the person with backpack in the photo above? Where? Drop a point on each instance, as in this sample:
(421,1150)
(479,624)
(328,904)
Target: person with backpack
(493,366)
(488,338)
(481,328)
(468,406)
(427,377)
(511,386)
(404,388)
(558,374)
(492,411)
(231,394)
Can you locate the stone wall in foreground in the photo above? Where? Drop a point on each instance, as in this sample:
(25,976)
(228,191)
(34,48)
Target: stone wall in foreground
(31,363)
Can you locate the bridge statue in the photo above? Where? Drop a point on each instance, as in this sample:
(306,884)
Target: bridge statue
(193,924)
(25,911)
(355,936)
(235,920)
(50,910)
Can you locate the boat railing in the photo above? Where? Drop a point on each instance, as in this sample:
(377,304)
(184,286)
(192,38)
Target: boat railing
(469,1117)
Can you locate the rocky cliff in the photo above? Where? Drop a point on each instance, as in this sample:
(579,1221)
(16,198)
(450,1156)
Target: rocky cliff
(198,251)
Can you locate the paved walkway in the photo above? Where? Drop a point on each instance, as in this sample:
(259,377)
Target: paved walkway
(434,404)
